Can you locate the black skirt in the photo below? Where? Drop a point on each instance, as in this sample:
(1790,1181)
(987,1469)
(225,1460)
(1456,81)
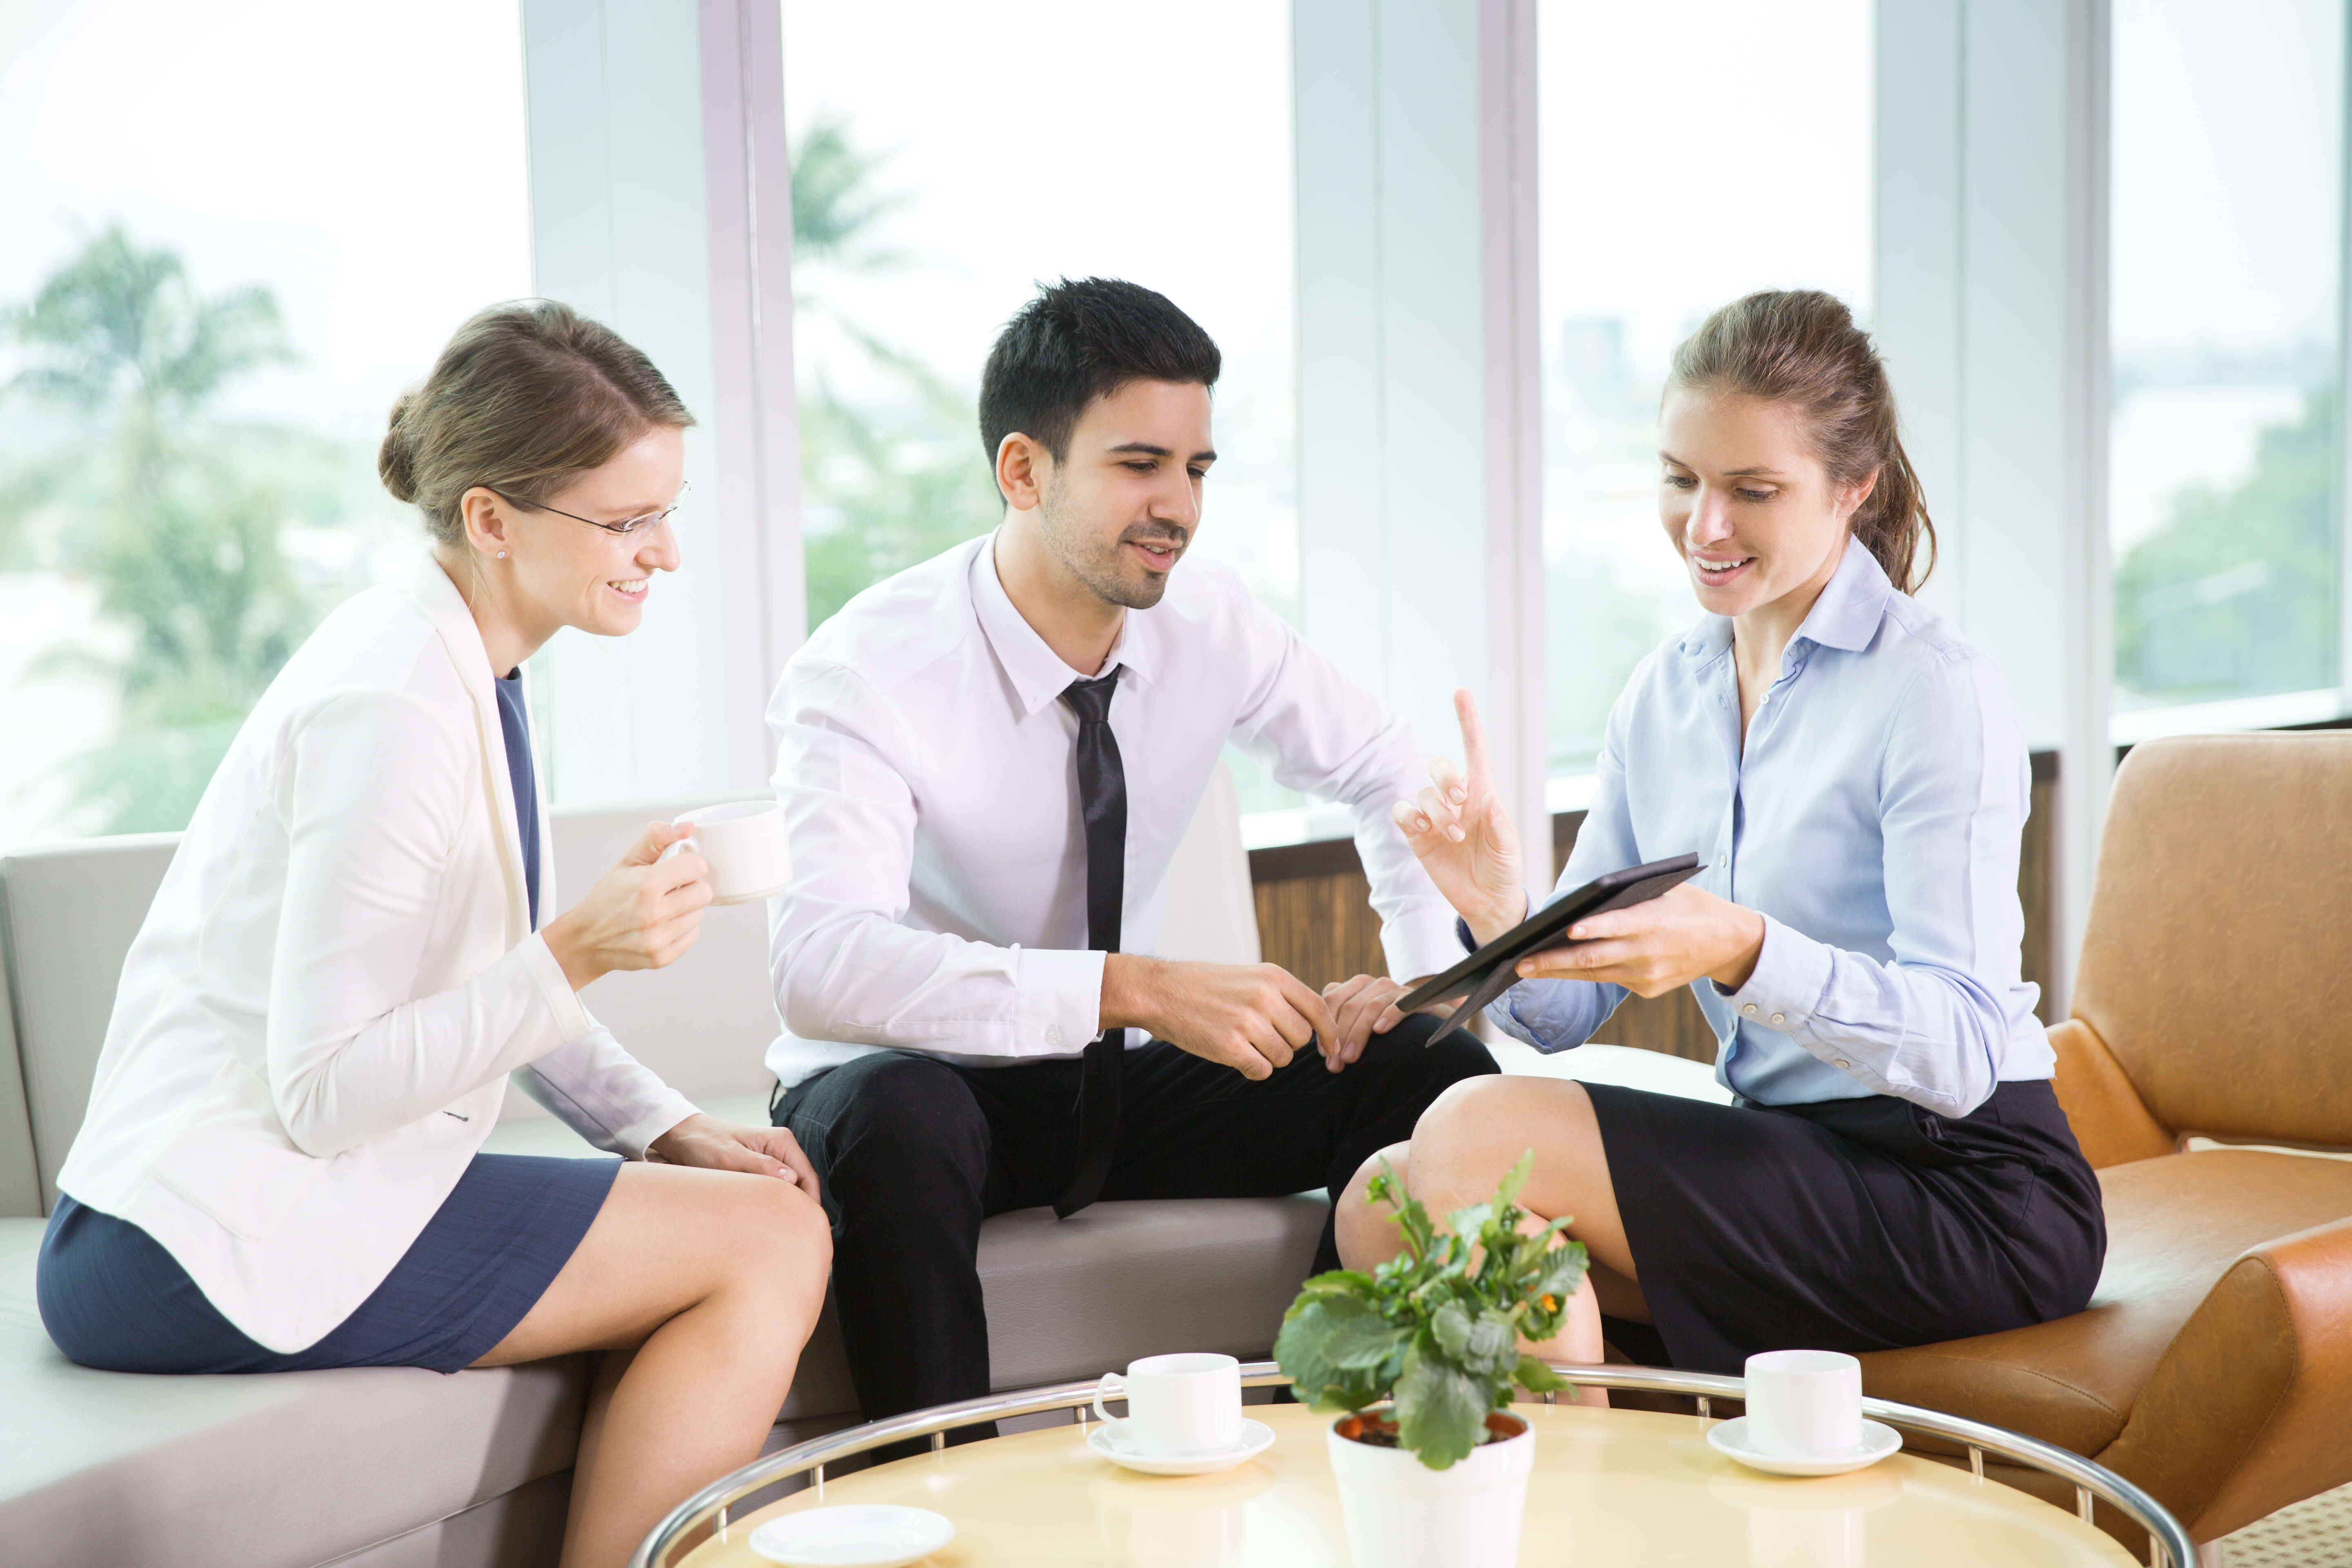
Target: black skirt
(1851,1225)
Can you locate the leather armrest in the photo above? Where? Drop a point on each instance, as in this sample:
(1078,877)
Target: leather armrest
(2251,1407)
(2110,1123)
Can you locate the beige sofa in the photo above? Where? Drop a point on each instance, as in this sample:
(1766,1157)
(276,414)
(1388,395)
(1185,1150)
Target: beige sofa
(391,1469)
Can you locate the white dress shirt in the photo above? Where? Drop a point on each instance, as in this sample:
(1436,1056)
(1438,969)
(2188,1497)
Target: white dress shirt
(316,1021)
(927,771)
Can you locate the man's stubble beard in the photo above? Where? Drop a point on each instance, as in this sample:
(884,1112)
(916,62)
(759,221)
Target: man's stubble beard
(1099,566)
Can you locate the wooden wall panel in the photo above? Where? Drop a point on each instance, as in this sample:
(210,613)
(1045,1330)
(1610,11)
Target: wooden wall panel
(1315,919)
(1321,929)
(2033,874)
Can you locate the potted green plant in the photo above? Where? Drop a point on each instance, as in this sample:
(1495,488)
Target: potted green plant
(1420,1357)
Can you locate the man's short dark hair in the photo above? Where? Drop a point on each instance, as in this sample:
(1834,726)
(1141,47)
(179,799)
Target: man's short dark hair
(1079,340)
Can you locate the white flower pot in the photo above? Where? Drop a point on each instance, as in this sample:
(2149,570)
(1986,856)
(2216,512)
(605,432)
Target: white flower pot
(1403,1514)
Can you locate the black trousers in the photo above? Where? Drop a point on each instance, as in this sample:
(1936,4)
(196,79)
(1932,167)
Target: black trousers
(913,1153)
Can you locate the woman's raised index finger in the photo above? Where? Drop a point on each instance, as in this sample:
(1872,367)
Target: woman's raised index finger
(1474,741)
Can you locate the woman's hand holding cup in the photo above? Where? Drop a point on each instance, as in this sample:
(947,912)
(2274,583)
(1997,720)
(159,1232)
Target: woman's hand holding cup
(1465,837)
(644,913)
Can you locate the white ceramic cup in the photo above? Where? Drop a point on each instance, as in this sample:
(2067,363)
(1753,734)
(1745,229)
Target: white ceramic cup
(1803,1404)
(1177,1404)
(746,845)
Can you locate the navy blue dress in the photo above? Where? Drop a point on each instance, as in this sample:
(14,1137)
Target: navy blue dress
(112,1299)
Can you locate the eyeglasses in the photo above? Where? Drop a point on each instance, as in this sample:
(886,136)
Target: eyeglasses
(634,528)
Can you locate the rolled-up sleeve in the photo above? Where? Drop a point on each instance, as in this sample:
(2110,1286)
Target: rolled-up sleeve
(843,966)
(1931,1025)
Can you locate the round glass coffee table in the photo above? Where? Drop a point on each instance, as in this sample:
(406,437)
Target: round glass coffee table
(1610,1486)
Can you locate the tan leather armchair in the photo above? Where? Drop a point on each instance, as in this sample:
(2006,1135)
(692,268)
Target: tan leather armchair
(2214,1000)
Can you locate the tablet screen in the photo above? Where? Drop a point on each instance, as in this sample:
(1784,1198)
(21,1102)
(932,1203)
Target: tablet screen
(1476,973)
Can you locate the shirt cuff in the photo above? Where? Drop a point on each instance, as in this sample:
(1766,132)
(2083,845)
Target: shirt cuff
(633,1138)
(571,1019)
(1792,971)
(1060,1000)
(1419,942)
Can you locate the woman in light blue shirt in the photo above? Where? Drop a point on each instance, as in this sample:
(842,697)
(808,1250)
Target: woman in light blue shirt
(1895,1170)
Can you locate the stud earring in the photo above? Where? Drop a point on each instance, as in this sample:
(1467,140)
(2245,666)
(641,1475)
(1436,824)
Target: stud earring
(503,556)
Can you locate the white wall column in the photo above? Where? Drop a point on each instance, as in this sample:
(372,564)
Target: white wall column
(661,206)
(1992,312)
(1419,462)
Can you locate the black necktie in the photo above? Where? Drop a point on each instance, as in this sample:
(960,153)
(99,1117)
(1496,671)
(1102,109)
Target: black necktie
(1102,796)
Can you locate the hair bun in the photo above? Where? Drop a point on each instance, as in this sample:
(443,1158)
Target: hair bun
(395,460)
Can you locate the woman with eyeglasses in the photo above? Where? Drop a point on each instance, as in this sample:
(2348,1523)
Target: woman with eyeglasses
(280,1165)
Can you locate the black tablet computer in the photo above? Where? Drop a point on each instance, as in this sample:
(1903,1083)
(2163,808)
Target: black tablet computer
(1493,969)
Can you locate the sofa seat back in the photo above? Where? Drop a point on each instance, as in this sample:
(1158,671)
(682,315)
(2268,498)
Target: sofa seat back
(20,1175)
(69,915)
(2212,967)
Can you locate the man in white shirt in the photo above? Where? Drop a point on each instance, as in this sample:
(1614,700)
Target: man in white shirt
(986,763)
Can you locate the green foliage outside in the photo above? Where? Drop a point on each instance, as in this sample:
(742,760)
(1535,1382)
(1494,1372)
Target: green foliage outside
(2235,595)
(1598,630)
(121,468)
(1436,1328)
(895,474)
(117,465)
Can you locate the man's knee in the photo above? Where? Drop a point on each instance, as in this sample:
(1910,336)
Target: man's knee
(893,1113)
(1460,1055)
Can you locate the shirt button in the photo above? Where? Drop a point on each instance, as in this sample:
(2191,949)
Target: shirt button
(1723,861)
(1749,1009)
(1843,1063)
(1779,1019)
(1053,1033)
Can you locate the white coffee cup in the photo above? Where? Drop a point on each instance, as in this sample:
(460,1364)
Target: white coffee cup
(1177,1404)
(1804,1404)
(747,847)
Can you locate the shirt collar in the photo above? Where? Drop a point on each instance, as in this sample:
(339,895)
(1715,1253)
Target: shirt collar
(1037,671)
(1845,616)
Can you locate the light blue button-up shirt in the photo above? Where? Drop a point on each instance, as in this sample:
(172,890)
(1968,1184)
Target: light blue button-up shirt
(1872,820)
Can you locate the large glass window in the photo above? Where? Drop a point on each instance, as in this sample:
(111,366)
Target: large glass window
(934,186)
(1693,151)
(235,232)
(2227,184)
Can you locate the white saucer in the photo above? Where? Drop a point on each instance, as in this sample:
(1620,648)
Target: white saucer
(1878,1440)
(760,897)
(858,1535)
(1109,1440)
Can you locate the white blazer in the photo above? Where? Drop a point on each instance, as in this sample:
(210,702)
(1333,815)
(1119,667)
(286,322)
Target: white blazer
(315,1026)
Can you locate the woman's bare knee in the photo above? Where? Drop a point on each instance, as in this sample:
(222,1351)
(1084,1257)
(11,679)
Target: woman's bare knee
(780,1240)
(1364,1229)
(1497,1109)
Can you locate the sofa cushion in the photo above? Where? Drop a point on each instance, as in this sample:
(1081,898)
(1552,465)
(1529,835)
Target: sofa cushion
(282,1471)
(2175,1225)
(1086,1295)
